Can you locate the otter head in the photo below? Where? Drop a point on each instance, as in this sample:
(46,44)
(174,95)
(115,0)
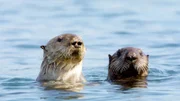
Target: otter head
(127,62)
(64,47)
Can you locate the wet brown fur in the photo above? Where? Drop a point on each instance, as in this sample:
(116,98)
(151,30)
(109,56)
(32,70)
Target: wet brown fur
(128,64)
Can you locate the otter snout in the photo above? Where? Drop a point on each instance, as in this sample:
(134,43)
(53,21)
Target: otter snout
(77,44)
(131,56)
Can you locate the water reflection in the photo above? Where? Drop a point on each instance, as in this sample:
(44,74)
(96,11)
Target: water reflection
(133,82)
(56,85)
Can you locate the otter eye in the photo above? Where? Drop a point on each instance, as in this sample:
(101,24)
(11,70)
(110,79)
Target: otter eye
(74,43)
(141,53)
(59,39)
(119,53)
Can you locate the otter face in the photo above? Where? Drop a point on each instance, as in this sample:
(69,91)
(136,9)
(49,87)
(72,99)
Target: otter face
(66,46)
(128,62)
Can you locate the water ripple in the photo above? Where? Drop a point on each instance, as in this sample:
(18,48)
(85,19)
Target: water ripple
(105,26)
(27,46)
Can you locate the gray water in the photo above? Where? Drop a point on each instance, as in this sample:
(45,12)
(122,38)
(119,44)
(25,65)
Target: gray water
(105,26)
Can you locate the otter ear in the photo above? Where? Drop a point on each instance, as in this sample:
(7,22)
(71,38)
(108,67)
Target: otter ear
(110,58)
(43,47)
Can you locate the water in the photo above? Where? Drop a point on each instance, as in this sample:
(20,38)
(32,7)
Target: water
(105,26)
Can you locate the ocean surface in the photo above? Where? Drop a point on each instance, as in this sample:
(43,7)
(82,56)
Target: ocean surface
(105,26)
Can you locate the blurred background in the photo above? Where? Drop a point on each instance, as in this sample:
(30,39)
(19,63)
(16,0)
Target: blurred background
(105,26)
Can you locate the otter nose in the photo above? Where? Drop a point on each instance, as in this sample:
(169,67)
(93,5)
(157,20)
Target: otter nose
(131,57)
(77,44)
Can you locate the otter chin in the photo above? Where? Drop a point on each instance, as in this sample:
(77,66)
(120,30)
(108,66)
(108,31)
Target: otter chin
(62,59)
(128,64)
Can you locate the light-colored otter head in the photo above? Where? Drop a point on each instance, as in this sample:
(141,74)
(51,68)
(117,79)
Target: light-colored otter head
(127,62)
(64,47)
(63,57)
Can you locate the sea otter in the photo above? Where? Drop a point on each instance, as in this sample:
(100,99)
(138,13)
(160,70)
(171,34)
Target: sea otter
(62,59)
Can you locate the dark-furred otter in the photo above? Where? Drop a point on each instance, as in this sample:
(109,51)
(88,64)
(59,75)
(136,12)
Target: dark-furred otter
(127,64)
(62,59)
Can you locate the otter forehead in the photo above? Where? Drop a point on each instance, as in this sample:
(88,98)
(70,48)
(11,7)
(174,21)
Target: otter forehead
(130,49)
(64,37)
(70,37)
